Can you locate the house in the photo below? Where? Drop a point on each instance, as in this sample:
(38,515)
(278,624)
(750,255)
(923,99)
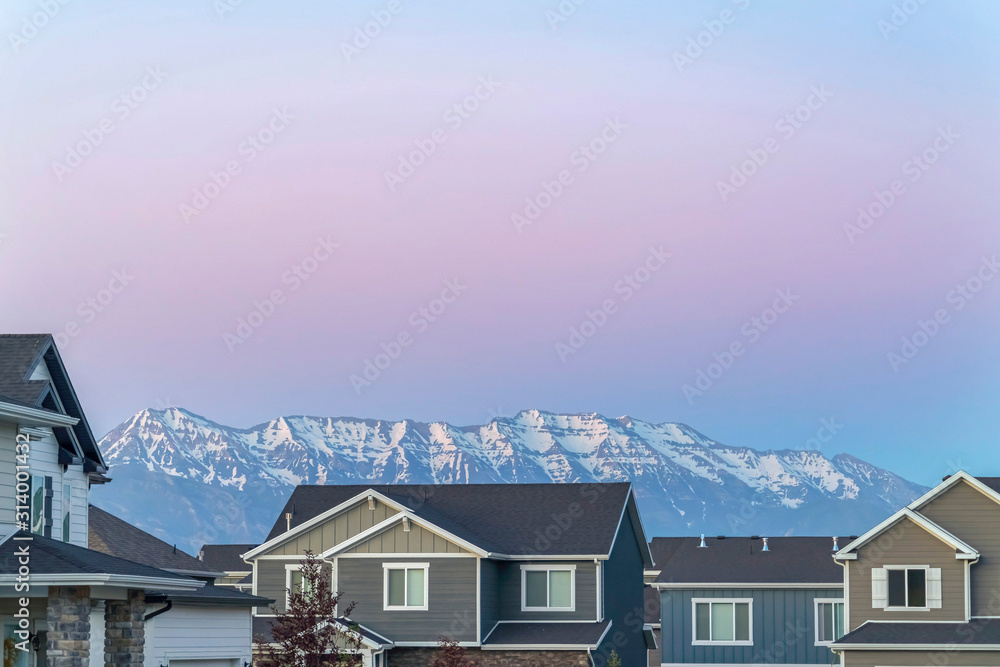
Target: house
(527,574)
(923,587)
(63,604)
(228,559)
(748,600)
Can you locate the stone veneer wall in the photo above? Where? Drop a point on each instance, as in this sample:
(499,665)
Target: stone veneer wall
(124,631)
(68,615)
(421,657)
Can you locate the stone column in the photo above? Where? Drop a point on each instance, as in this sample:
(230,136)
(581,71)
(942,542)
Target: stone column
(125,631)
(68,615)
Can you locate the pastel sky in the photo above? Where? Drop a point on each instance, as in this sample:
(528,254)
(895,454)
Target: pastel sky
(115,115)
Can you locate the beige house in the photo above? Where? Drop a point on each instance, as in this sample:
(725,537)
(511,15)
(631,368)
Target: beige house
(923,587)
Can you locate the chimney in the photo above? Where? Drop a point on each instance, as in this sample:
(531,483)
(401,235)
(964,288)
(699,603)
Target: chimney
(835,547)
(288,520)
(765,544)
(703,545)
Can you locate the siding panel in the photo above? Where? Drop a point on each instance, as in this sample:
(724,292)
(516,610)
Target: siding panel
(586,593)
(334,531)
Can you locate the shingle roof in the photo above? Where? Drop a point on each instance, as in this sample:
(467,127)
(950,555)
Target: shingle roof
(226,557)
(790,560)
(18,353)
(503,518)
(992,482)
(110,535)
(263,626)
(217,595)
(547,633)
(651,604)
(985,631)
(50,556)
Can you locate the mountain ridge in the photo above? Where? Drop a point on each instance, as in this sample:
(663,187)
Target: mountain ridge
(228,483)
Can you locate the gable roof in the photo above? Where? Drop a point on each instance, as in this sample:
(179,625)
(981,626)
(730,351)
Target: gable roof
(546,634)
(20,355)
(226,557)
(55,561)
(963,550)
(501,519)
(974,635)
(110,535)
(741,560)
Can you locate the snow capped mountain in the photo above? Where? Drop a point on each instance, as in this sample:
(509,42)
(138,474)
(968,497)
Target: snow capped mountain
(194,481)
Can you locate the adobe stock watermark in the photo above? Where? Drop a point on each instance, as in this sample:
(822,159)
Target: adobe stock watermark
(292,279)
(563,11)
(714,28)
(91,307)
(625,289)
(828,429)
(224,7)
(581,158)
(364,34)
(900,16)
(419,322)
(454,116)
(248,150)
(121,108)
(786,126)
(958,298)
(34,23)
(752,330)
(914,168)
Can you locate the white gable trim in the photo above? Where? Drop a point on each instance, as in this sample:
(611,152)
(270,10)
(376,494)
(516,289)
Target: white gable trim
(960,476)
(396,518)
(318,519)
(966,552)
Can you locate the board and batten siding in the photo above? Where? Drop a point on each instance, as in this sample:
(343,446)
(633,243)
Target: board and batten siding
(625,606)
(586,593)
(906,543)
(189,633)
(397,540)
(783,632)
(451,599)
(334,530)
(973,518)
(919,658)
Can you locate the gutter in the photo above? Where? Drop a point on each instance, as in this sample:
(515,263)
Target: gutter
(35,416)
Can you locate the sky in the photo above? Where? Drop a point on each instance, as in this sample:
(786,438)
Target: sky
(774,222)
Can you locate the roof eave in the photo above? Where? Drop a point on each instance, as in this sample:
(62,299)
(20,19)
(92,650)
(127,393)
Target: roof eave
(29,416)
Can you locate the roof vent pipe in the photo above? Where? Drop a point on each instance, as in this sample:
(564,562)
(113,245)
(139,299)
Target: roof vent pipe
(835,547)
(288,520)
(703,545)
(765,544)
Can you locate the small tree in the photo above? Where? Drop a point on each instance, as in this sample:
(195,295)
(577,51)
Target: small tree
(308,633)
(614,660)
(452,655)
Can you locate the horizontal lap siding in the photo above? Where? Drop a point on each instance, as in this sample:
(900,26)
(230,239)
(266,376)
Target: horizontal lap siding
(586,593)
(489,586)
(271,582)
(198,632)
(8,432)
(906,543)
(921,658)
(975,519)
(783,629)
(451,599)
(335,530)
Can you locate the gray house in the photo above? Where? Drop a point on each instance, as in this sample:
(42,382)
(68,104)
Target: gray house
(749,600)
(527,574)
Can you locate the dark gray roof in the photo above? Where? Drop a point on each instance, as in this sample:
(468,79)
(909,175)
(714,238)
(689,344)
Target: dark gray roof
(216,596)
(110,535)
(985,631)
(50,556)
(502,518)
(651,604)
(20,354)
(992,482)
(262,629)
(547,633)
(789,560)
(226,557)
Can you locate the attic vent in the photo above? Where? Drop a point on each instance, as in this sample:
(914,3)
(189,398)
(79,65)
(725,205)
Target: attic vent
(835,547)
(406,524)
(371,502)
(721,537)
(703,545)
(765,544)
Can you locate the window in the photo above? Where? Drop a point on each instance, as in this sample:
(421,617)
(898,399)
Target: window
(294,583)
(67,508)
(722,621)
(405,586)
(548,587)
(41,505)
(829,621)
(907,587)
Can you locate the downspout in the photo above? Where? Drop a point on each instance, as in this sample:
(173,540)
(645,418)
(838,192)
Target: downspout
(162,610)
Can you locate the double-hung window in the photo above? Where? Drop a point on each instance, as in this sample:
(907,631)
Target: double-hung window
(548,587)
(405,586)
(906,587)
(829,620)
(295,583)
(725,621)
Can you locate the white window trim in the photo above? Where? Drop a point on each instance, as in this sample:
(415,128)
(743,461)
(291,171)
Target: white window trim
(906,588)
(526,567)
(289,568)
(816,603)
(708,642)
(404,566)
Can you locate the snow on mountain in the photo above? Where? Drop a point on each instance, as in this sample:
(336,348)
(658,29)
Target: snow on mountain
(194,481)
